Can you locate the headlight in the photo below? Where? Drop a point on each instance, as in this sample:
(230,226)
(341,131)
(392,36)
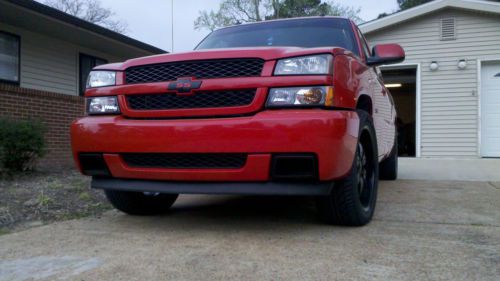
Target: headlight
(300,96)
(101,79)
(102,105)
(310,65)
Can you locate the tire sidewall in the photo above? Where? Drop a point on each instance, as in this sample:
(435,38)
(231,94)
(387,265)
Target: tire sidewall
(366,127)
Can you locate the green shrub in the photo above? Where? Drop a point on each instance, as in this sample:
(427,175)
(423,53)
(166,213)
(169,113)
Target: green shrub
(21,144)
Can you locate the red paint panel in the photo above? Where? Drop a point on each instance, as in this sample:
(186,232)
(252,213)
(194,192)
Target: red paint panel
(331,135)
(389,51)
(265,53)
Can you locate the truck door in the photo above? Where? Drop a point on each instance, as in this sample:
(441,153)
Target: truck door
(383,108)
(382,105)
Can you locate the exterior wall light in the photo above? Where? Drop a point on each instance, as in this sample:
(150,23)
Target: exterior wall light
(394,85)
(462,64)
(434,66)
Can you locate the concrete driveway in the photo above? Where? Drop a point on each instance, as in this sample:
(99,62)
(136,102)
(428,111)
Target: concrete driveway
(423,230)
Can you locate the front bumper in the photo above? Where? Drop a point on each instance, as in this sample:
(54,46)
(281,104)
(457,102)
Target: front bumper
(240,188)
(329,134)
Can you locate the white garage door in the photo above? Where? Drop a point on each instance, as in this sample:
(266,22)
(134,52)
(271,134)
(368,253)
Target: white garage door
(490,110)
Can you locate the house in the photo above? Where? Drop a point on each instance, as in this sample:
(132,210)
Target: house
(447,91)
(45,58)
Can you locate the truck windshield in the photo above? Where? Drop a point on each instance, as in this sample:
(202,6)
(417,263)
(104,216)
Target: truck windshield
(306,33)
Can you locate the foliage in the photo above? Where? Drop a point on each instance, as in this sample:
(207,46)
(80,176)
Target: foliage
(406,4)
(91,11)
(308,8)
(21,144)
(3,231)
(43,200)
(84,196)
(233,12)
(382,15)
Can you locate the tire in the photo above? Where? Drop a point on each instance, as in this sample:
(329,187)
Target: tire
(352,200)
(389,166)
(139,203)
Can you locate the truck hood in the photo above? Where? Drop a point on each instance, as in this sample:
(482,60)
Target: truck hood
(265,53)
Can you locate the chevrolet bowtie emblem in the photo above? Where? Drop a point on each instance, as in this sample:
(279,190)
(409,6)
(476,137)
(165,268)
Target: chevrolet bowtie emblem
(184,85)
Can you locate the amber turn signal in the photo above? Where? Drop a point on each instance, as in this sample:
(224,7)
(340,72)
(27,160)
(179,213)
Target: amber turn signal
(300,96)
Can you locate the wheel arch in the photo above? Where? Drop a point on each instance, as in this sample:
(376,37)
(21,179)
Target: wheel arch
(365,103)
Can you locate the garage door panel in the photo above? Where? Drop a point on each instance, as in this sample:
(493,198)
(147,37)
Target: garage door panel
(494,132)
(491,119)
(493,147)
(490,109)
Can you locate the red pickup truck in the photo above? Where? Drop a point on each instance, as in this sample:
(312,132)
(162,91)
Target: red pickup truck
(285,107)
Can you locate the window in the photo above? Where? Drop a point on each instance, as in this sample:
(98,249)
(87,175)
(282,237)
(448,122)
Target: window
(305,32)
(9,57)
(86,64)
(364,45)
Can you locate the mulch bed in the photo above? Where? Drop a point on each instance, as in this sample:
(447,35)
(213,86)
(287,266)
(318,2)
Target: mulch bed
(38,198)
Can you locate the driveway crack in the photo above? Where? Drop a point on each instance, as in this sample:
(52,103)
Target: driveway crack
(439,223)
(494,184)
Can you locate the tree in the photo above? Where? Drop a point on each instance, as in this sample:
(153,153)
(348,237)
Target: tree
(406,4)
(308,8)
(240,11)
(232,12)
(91,11)
(382,15)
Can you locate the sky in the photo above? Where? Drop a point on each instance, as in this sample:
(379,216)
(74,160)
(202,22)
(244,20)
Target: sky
(150,21)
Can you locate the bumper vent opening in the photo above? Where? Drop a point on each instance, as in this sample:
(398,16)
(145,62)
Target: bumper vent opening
(294,167)
(93,164)
(185,160)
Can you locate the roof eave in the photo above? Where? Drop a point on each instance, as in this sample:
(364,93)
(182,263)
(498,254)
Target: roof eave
(474,5)
(79,23)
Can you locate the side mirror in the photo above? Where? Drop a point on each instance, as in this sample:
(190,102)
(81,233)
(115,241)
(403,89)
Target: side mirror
(386,54)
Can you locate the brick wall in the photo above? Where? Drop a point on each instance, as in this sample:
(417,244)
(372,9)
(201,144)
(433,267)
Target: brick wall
(56,111)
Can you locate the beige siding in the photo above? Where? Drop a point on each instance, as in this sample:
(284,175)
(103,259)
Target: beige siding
(449,99)
(50,64)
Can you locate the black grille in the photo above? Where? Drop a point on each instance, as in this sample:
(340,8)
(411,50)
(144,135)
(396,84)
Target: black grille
(198,100)
(186,160)
(198,69)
